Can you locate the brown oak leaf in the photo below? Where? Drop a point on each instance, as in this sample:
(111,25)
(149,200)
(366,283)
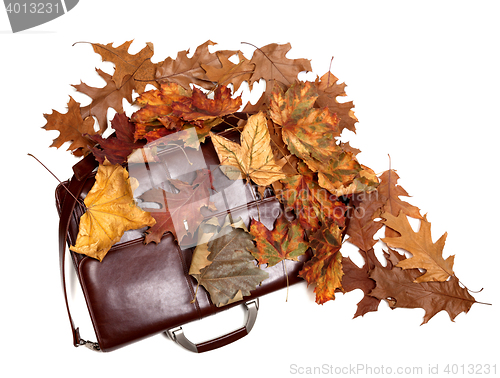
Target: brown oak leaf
(272,64)
(185,71)
(328,91)
(136,68)
(359,278)
(72,128)
(426,254)
(229,72)
(390,193)
(109,96)
(362,224)
(399,288)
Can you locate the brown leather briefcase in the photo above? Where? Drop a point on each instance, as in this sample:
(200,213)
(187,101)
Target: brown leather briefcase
(139,289)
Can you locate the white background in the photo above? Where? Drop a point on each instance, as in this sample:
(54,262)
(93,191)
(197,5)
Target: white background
(425,80)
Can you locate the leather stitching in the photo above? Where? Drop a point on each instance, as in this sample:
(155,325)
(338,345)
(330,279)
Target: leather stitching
(188,280)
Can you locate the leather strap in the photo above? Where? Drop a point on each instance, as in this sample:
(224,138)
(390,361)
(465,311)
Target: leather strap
(82,170)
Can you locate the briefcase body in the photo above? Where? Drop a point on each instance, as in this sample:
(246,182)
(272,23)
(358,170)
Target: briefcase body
(140,290)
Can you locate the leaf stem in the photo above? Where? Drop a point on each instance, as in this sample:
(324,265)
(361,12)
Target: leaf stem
(329,70)
(60,182)
(286,275)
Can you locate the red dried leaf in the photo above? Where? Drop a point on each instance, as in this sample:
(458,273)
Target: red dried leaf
(180,212)
(119,146)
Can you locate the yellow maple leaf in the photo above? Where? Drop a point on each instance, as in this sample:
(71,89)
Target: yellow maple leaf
(111,210)
(253,158)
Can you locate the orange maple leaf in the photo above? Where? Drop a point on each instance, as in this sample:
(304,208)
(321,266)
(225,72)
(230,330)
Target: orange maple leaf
(201,108)
(308,132)
(324,269)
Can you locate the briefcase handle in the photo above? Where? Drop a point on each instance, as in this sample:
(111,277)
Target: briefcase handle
(177,333)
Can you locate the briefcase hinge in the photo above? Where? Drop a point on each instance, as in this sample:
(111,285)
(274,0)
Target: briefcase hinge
(91,345)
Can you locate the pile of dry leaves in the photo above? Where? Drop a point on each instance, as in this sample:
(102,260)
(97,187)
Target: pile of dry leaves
(288,142)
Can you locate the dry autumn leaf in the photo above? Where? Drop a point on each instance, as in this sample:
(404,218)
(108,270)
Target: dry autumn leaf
(201,108)
(364,182)
(119,146)
(328,91)
(173,108)
(72,128)
(324,269)
(136,68)
(111,210)
(156,106)
(229,73)
(254,157)
(308,132)
(339,173)
(231,272)
(311,204)
(359,278)
(272,64)
(186,71)
(400,289)
(426,254)
(390,193)
(180,210)
(284,242)
(362,224)
(110,96)
(296,149)
(200,255)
